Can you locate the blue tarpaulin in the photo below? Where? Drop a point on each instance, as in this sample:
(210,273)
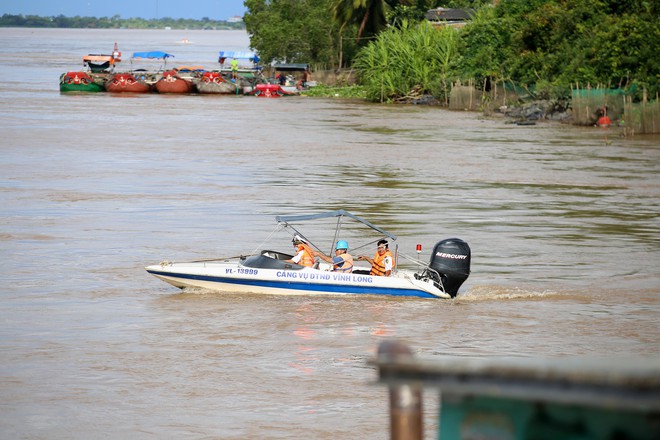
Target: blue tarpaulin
(152,54)
(239,55)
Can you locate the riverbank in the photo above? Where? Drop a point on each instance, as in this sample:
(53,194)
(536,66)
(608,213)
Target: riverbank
(551,110)
(633,119)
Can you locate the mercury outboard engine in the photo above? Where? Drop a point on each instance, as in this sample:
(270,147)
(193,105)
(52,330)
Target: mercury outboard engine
(449,266)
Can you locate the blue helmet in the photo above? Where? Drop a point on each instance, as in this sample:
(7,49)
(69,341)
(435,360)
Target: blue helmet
(342,244)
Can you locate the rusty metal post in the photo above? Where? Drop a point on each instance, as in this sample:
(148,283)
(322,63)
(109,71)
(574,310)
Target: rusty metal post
(406,421)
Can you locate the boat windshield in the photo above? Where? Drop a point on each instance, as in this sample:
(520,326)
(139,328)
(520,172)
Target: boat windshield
(271,260)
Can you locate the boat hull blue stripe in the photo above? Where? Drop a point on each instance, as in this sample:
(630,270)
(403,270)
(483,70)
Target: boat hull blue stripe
(311,287)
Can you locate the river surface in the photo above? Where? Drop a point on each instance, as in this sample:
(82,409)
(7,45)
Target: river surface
(562,222)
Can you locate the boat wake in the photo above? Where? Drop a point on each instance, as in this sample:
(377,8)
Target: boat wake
(490,292)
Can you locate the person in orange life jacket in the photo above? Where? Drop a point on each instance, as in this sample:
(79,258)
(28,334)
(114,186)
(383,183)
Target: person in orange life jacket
(304,254)
(343,261)
(383,261)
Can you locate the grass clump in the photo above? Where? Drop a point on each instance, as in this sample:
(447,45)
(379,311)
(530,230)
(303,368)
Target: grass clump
(325,91)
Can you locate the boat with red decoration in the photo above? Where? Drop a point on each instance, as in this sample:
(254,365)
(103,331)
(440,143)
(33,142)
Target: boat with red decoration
(215,83)
(98,68)
(172,82)
(128,82)
(246,74)
(80,81)
(273,91)
(266,91)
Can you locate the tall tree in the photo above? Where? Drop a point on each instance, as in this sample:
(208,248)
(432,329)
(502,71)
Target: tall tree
(368,15)
(294,31)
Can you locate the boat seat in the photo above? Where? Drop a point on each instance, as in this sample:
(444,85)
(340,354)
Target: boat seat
(361,272)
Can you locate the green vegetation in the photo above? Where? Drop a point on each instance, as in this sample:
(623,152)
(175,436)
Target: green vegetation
(368,15)
(323,91)
(292,31)
(325,33)
(543,46)
(415,57)
(114,22)
(547,45)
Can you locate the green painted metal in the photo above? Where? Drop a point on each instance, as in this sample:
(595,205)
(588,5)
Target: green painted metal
(534,399)
(89,88)
(480,417)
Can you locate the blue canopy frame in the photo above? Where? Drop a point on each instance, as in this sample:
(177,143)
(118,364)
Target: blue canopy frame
(239,55)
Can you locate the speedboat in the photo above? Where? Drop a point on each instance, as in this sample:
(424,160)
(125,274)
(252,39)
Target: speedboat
(272,272)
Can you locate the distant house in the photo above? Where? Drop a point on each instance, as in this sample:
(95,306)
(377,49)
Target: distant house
(449,17)
(235,19)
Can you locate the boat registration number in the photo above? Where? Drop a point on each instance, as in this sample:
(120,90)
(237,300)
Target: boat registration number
(247,271)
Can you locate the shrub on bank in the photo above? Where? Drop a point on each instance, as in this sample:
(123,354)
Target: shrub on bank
(324,91)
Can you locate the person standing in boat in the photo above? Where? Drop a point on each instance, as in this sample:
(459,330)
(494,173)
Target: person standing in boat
(383,261)
(307,77)
(343,261)
(304,254)
(234,68)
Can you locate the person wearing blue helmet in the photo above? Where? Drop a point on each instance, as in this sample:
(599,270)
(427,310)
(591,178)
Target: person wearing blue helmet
(343,261)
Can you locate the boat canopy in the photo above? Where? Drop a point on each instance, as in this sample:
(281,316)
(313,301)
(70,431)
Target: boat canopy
(152,55)
(286,219)
(300,67)
(239,55)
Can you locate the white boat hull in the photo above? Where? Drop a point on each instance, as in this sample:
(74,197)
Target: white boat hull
(273,272)
(236,278)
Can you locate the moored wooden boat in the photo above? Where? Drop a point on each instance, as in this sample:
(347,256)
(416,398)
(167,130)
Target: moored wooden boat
(98,71)
(267,91)
(80,82)
(214,82)
(289,90)
(296,77)
(245,77)
(102,62)
(127,83)
(172,82)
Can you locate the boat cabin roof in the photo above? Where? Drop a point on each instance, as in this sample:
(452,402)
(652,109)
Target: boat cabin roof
(299,67)
(99,58)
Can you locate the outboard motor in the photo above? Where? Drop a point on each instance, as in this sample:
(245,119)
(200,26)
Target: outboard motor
(449,266)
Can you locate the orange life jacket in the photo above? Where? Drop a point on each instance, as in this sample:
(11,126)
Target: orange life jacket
(307,259)
(378,268)
(347,266)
